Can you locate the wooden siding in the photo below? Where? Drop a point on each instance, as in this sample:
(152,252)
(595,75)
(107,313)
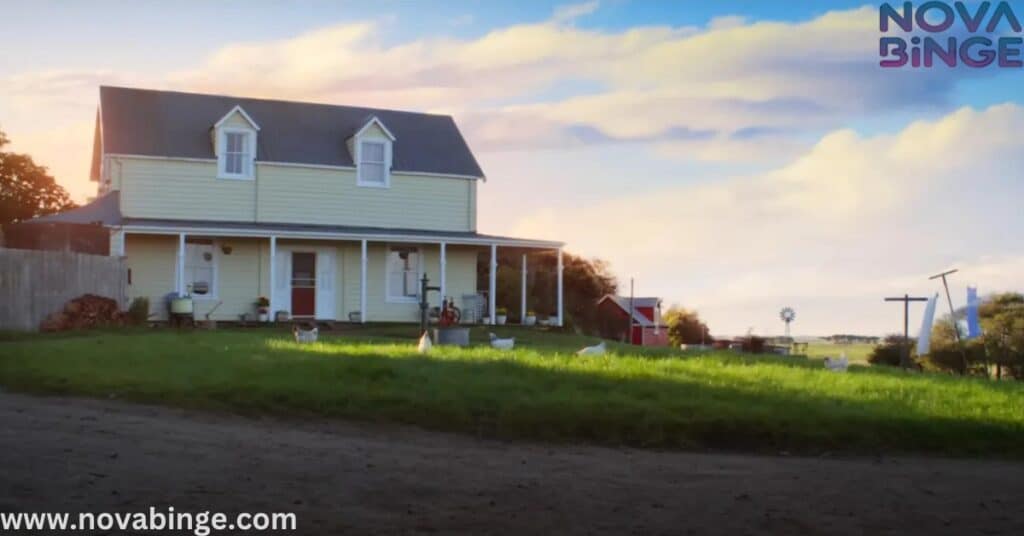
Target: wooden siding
(181,190)
(190,190)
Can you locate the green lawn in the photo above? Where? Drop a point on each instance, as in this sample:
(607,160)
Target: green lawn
(856,353)
(539,391)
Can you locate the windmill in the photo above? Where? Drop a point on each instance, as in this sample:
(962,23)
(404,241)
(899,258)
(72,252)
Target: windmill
(787,314)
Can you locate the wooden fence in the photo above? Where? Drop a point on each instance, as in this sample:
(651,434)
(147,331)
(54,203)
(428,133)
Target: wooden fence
(35,283)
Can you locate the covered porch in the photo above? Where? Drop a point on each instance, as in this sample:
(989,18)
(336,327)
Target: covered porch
(320,272)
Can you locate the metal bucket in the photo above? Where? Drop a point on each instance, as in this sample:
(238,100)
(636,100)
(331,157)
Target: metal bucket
(451,336)
(181,306)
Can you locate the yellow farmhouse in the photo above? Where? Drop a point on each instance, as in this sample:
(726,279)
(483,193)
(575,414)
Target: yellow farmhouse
(331,212)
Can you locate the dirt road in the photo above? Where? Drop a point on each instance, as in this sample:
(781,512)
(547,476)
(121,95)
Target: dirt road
(63,454)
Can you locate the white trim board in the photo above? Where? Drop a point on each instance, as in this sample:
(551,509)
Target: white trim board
(373,237)
(237,108)
(293,164)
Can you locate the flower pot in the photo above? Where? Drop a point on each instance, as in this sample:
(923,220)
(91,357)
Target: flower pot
(502,319)
(263,316)
(530,320)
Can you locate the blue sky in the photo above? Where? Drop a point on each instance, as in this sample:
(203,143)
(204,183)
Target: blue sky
(752,154)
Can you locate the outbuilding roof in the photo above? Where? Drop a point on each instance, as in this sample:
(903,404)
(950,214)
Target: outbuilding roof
(623,303)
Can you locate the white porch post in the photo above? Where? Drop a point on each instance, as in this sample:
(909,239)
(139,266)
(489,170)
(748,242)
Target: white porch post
(444,270)
(180,283)
(362,283)
(273,277)
(522,299)
(560,304)
(493,288)
(117,249)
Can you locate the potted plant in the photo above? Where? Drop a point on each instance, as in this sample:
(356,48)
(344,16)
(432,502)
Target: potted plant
(531,318)
(262,308)
(502,316)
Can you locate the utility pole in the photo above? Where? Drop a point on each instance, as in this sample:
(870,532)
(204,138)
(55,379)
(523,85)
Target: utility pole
(952,318)
(906,299)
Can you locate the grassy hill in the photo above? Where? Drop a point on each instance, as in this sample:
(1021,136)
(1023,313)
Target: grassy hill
(656,398)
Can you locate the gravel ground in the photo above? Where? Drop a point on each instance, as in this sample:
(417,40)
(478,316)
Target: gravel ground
(69,454)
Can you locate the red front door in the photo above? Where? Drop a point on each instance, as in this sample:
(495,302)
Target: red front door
(303,284)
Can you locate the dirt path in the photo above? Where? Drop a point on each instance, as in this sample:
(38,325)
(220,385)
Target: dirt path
(82,455)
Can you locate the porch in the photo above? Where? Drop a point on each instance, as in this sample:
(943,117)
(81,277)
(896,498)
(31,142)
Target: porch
(356,275)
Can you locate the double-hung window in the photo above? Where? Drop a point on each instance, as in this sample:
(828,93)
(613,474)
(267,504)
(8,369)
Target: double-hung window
(403,273)
(373,163)
(236,154)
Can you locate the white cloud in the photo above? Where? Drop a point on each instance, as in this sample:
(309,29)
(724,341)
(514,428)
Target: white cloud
(852,219)
(571,12)
(735,89)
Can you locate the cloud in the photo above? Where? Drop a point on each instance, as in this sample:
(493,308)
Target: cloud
(571,12)
(852,218)
(728,77)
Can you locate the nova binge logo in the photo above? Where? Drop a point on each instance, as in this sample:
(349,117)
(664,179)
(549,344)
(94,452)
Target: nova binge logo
(975,36)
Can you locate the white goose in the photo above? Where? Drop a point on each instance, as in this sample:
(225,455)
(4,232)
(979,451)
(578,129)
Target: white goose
(837,365)
(597,349)
(502,344)
(425,345)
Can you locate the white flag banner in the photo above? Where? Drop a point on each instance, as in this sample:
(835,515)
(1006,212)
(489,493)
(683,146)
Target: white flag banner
(924,337)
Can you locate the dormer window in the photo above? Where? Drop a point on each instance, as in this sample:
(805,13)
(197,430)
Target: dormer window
(237,158)
(235,145)
(371,163)
(372,145)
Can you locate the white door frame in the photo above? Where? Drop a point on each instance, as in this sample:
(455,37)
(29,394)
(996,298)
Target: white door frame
(326,279)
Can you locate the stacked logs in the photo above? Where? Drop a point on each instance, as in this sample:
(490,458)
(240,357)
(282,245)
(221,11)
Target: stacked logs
(84,312)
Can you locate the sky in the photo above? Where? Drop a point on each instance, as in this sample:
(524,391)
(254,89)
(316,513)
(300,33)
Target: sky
(730,157)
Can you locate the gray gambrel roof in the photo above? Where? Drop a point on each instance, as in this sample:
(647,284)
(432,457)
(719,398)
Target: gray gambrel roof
(173,124)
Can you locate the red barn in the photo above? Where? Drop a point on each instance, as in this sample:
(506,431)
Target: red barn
(647,328)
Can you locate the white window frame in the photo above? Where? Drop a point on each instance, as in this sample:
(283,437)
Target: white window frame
(388,297)
(248,164)
(387,162)
(387,140)
(214,283)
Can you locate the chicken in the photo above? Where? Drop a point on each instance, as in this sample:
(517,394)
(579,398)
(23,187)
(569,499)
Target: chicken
(502,344)
(597,349)
(425,345)
(304,335)
(837,365)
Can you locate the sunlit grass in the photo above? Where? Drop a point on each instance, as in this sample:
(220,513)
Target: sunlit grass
(539,390)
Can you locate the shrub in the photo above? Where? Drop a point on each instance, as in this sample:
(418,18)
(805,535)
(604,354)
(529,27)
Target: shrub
(753,344)
(889,352)
(138,311)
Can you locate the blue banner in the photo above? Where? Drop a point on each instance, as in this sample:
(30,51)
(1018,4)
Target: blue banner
(973,324)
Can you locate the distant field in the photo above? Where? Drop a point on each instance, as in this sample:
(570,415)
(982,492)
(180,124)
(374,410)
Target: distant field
(541,390)
(856,353)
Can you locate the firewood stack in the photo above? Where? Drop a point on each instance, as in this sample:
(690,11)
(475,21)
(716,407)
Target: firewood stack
(84,312)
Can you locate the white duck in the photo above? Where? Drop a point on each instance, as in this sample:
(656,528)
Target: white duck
(502,344)
(597,349)
(837,365)
(425,345)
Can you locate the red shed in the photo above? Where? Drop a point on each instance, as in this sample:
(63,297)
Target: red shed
(647,328)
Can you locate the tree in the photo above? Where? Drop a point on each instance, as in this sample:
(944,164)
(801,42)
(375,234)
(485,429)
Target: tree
(685,327)
(1001,344)
(585,281)
(26,189)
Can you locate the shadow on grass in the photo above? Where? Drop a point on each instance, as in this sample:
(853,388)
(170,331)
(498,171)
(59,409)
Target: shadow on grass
(702,401)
